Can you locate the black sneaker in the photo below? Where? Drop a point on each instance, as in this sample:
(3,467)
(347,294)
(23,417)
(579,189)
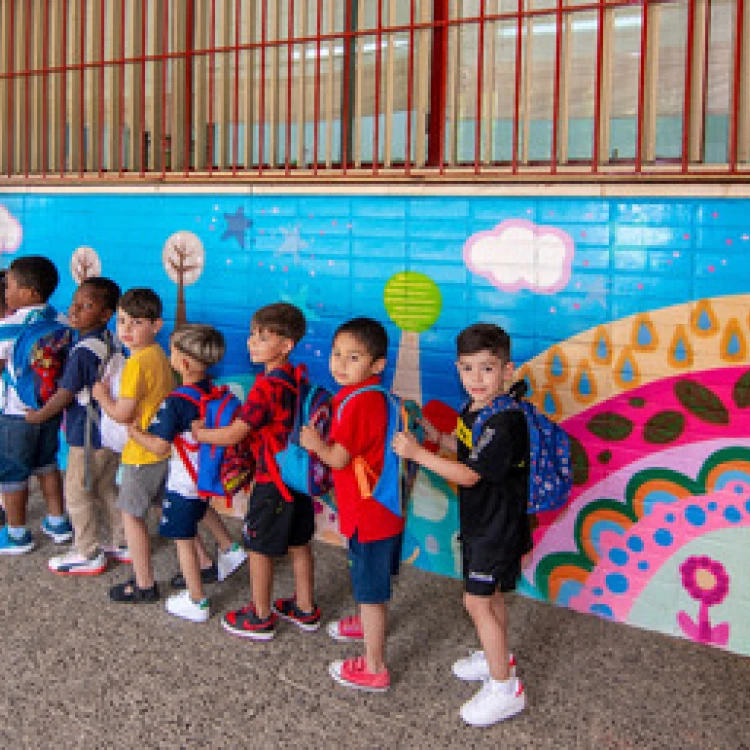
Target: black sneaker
(245,623)
(130,592)
(208,575)
(288,609)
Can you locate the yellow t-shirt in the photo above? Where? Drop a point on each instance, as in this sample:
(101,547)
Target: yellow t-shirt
(147,377)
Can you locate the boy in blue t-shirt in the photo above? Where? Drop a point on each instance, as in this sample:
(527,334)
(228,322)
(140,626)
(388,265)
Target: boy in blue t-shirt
(90,477)
(193,350)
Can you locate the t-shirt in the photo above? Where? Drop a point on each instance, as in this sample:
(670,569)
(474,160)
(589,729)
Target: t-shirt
(494,511)
(269,410)
(174,418)
(147,377)
(81,372)
(362,431)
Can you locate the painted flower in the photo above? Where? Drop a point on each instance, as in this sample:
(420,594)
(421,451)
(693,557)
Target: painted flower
(706,580)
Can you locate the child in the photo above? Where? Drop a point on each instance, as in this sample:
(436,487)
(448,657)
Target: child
(273,525)
(28,449)
(94,303)
(374,533)
(147,379)
(493,480)
(194,348)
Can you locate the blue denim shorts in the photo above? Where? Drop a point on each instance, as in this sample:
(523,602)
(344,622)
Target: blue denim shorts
(372,565)
(26,450)
(180,516)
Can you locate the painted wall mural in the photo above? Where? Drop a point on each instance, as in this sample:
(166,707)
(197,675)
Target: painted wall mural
(630,321)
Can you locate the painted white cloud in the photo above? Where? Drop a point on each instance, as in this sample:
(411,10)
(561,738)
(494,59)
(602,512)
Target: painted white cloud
(10,231)
(519,254)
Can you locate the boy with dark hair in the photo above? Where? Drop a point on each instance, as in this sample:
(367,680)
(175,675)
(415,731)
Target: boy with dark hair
(90,485)
(273,525)
(194,349)
(30,449)
(147,379)
(358,433)
(493,479)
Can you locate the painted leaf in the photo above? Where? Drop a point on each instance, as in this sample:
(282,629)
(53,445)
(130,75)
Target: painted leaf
(741,391)
(604,457)
(580,460)
(610,426)
(637,402)
(664,427)
(701,402)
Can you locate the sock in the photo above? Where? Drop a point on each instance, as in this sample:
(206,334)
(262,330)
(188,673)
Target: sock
(16,532)
(55,520)
(506,686)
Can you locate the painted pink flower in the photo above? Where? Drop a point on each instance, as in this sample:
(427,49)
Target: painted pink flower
(706,580)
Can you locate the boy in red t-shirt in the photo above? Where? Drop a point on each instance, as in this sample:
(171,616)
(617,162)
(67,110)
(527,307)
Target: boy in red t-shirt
(359,431)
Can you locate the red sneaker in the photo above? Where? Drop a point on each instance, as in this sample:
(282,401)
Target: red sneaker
(353,673)
(346,629)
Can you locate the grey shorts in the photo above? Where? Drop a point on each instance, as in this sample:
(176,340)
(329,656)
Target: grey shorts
(141,486)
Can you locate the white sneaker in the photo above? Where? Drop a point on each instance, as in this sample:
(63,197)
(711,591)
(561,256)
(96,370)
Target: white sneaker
(181,605)
(493,704)
(230,561)
(75,564)
(121,554)
(474,667)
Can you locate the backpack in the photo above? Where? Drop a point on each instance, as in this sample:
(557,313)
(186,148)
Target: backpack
(222,471)
(392,489)
(550,470)
(40,348)
(292,466)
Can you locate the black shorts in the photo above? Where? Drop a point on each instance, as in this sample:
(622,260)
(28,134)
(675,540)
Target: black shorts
(485,572)
(273,524)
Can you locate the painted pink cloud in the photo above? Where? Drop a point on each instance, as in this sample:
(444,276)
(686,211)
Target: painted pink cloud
(518,254)
(10,231)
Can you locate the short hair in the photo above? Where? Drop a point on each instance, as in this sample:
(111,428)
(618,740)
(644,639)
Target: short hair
(282,319)
(141,303)
(107,290)
(203,343)
(3,285)
(369,333)
(484,337)
(36,272)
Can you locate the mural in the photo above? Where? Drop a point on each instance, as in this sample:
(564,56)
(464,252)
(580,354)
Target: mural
(630,321)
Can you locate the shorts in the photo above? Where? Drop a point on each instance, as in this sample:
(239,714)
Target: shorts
(26,450)
(485,572)
(180,516)
(142,485)
(273,524)
(372,566)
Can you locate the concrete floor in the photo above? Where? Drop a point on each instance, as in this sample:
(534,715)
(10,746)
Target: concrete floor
(83,672)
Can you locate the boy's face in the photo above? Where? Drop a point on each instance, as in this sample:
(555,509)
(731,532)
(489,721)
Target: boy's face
(350,362)
(136,333)
(87,311)
(484,376)
(19,296)
(268,348)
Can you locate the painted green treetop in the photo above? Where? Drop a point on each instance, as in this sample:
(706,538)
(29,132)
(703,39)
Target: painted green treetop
(413,301)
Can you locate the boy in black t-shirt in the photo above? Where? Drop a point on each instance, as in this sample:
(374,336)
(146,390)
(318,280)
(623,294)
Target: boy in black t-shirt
(493,480)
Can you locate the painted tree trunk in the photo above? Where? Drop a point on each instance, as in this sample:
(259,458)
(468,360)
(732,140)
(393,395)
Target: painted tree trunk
(180,317)
(407,379)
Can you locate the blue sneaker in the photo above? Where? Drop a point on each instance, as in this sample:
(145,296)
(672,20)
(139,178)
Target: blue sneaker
(59,532)
(11,546)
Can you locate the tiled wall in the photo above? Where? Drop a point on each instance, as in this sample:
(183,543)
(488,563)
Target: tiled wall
(629,318)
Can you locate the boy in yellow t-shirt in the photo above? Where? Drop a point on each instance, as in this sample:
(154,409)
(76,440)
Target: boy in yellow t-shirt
(147,379)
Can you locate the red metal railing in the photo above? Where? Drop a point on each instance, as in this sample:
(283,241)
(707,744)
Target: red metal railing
(433,111)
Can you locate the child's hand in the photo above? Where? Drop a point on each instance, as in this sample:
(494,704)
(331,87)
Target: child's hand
(405,445)
(100,390)
(134,429)
(32,417)
(196,426)
(309,439)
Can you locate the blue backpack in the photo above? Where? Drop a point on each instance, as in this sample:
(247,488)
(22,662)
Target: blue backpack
(550,470)
(393,487)
(40,348)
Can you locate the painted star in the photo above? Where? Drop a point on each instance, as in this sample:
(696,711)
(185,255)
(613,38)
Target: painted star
(598,293)
(237,225)
(300,300)
(293,242)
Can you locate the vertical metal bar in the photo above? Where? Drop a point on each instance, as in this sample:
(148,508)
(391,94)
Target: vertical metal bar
(358,90)
(236,111)
(211,77)
(480,83)
(262,103)
(100,134)
(250,89)
(642,88)
(11,87)
(316,105)
(44,125)
(736,87)
(25,134)
(273,103)
(743,117)
(82,91)
(390,88)
(556,89)
(164,65)
(64,89)
(518,82)
(598,81)
(304,25)
(121,91)
(410,88)
(349,42)
(687,99)
(378,73)
(188,47)
(142,113)
(288,125)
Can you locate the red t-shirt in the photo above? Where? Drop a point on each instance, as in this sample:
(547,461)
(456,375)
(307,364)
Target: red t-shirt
(362,431)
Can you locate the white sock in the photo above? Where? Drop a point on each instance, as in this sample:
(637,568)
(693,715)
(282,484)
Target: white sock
(506,686)
(55,520)
(16,532)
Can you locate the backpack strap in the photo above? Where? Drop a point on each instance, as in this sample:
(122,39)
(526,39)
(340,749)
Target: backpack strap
(503,402)
(198,398)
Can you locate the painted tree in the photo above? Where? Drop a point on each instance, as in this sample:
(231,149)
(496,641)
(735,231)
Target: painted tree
(85,264)
(413,302)
(183,257)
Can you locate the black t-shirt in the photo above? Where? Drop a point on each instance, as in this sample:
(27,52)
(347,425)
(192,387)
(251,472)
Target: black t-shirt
(493,512)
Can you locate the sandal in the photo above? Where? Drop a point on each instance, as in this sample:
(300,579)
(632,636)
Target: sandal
(129,592)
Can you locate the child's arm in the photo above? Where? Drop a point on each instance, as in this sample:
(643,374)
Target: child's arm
(122,410)
(232,434)
(61,399)
(452,471)
(152,443)
(444,440)
(333,455)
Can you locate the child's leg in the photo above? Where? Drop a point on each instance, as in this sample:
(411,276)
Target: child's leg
(492,631)
(302,566)
(139,544)
(187,554)
(261,582)
(81,503)
(107,463)
(15,506)
(204,559)
(374,618)
(214,524)
(51,486)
